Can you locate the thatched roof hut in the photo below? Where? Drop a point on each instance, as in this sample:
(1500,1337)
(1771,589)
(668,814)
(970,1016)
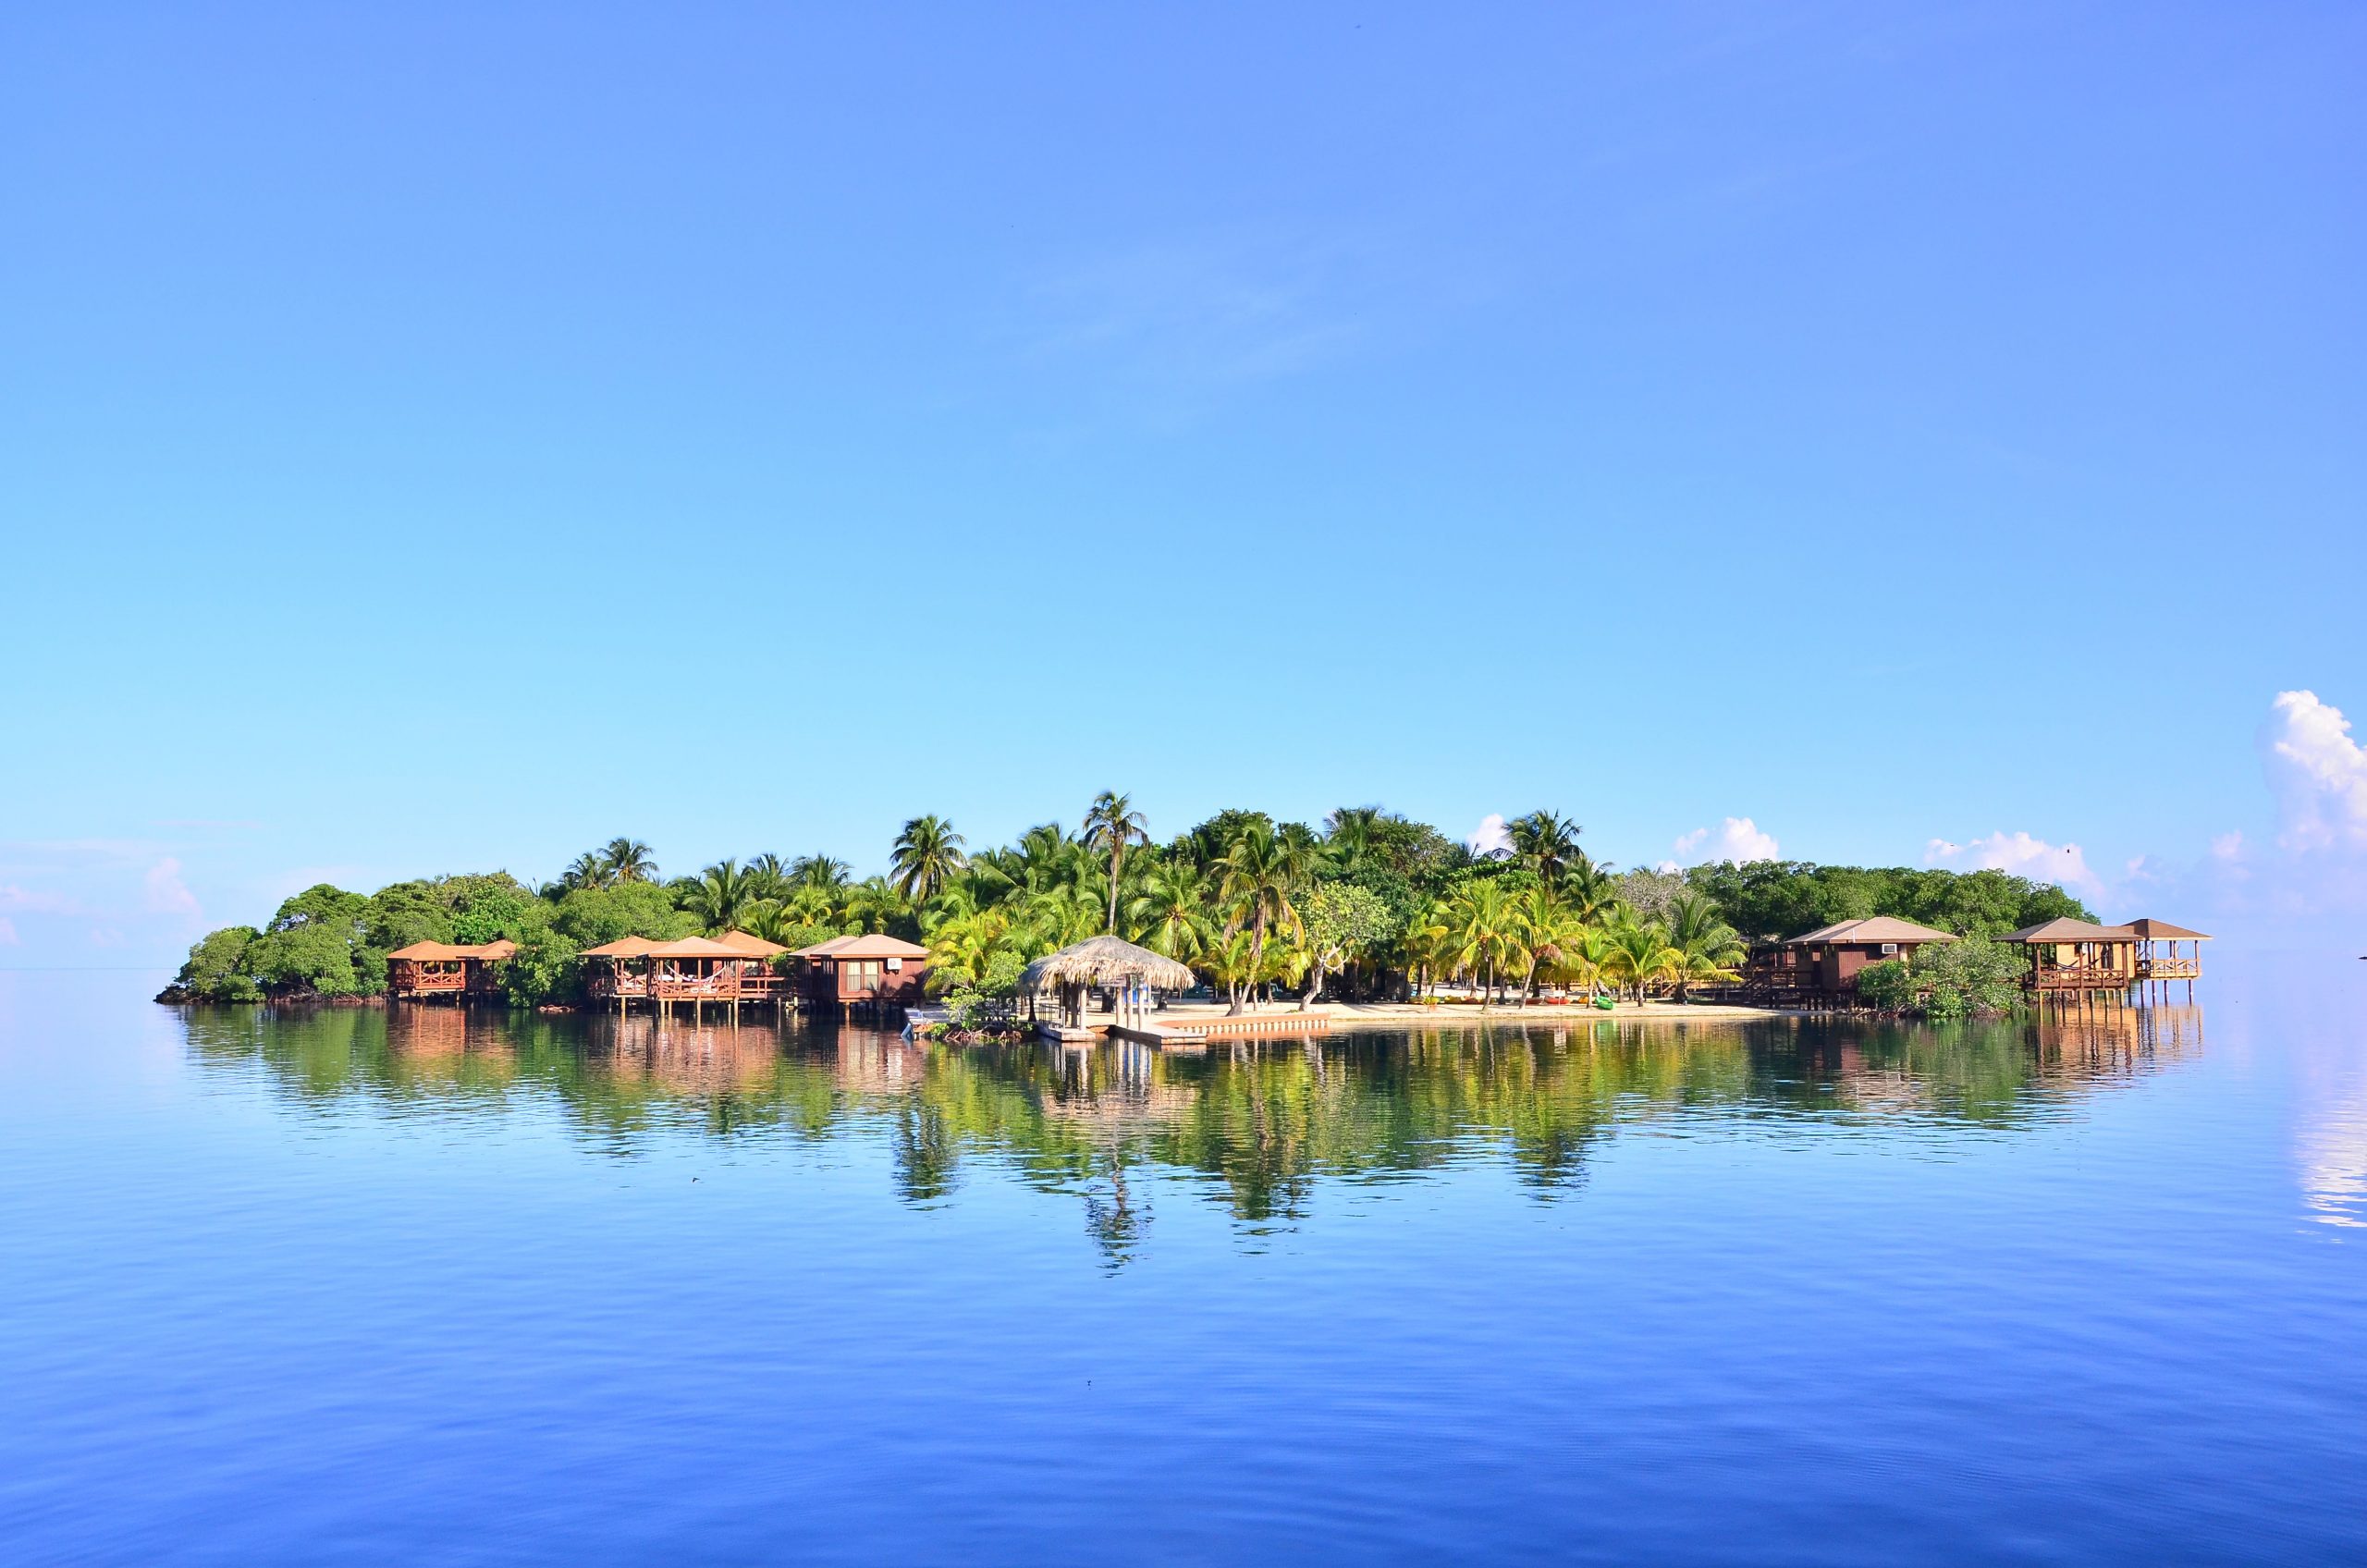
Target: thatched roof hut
(1106,961)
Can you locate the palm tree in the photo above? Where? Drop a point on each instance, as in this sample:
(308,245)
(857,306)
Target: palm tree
(1480,930)
(820,871)
(628,861)
(1640,955)
(875,903)
(928,854)
(1170,914)
(589,870)
(720,896)
(1707,948)
(1258,874)
(770,875)
(1111,824)
(1588,888)
(961,949)
(1349,835)
(1427,939)
(1544,843)
(1541,929)
(1234,961)
(1578,957)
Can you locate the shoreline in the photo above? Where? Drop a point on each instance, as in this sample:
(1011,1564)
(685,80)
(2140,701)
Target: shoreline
(1398,1015)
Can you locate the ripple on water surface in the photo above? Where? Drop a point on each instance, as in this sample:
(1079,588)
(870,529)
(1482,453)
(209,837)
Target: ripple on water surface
(359,1285)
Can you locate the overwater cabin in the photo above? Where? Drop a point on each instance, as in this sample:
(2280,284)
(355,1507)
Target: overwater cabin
(695,969)
(1824,962)
(759,980)
(862,971)
(2158,957)
(621,969)
(2074,956)
(732,968)
(426,969)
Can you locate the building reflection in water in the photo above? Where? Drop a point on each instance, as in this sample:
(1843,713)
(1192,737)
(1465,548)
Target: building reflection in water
(1255,1125)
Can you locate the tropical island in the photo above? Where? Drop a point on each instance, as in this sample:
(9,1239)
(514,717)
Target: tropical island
(1369,906)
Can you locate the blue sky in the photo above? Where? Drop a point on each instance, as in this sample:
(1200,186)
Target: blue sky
(435,441)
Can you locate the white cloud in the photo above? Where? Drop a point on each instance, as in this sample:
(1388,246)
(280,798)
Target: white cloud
(2064,864)
(1490,837)
(9,938)
(2318,772)
(28,901)
(166,893)
(1738,839)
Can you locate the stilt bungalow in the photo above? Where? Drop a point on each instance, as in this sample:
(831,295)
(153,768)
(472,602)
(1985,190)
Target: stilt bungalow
(426,969)
(759,981)
(1823,963)
(732,968)
(624,970)
(2157,950)
(2074,956)
(870,971)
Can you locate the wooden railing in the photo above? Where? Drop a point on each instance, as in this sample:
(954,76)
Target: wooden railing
(2081,977)
(2169,968)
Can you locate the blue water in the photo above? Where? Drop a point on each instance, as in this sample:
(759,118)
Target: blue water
(341,1288)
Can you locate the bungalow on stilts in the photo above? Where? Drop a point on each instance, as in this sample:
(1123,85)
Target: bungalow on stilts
(425,971)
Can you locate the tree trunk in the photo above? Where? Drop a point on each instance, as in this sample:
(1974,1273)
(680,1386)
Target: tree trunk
(1258,955)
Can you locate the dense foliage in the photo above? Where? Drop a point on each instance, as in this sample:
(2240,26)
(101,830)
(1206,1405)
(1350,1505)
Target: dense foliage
(1947,980)
(1775,899)
(1369,904)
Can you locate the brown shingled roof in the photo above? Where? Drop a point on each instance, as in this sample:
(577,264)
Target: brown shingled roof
(874,946)
(1876,928)
(2162,931)
(448,952)
(2068,930)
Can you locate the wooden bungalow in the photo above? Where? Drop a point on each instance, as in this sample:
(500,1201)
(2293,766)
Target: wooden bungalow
(426,969)
(2157,950)
(2070,957)
(732,968)
(759,981)
(871,971)
(622,971)
(1823,963)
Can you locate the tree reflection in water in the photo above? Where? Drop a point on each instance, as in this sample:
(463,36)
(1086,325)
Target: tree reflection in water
(1262,1123)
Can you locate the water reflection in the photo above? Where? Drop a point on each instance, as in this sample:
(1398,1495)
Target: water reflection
(1255,1125)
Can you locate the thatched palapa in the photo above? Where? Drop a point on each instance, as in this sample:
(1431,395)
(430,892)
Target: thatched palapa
(1106,961)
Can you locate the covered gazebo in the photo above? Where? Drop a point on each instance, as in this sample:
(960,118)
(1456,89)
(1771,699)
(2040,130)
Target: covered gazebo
(1129,972)
(620,984)
(444,969)
(2164,962)
(758,979)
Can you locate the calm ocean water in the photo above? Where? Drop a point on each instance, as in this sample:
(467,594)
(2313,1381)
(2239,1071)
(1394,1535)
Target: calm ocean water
(338,1286)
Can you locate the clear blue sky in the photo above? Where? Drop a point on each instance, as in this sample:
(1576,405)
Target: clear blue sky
(435,441)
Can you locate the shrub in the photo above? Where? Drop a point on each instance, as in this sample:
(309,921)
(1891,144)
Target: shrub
(1945,980)
(216,969)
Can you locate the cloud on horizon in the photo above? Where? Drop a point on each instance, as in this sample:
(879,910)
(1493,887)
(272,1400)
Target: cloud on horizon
(2317,772)
(166,893)
(1738,839)
(1491,836)
(2021,854)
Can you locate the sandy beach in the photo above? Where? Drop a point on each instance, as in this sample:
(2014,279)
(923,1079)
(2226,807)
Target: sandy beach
(1408,1015)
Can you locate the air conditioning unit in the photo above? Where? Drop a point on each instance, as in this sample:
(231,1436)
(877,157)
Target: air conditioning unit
(1890,947)
(895,965)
